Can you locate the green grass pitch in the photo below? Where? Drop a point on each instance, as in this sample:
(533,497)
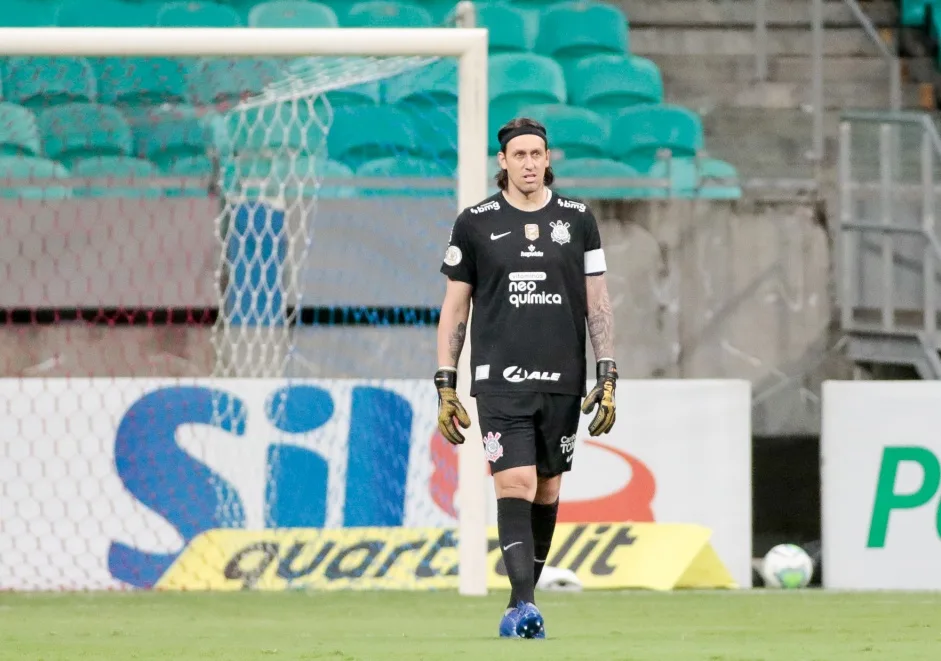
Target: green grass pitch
(755,625)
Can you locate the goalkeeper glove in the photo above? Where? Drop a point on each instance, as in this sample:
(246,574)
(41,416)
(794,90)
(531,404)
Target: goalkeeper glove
(449,407)
(602,395)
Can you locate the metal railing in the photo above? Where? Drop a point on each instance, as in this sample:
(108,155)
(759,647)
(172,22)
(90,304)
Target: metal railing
(891,191)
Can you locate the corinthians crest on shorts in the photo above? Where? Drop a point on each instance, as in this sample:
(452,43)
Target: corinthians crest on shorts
(493,449)
(560,232)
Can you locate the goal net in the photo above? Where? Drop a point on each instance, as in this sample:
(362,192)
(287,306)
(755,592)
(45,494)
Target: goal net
(220,306)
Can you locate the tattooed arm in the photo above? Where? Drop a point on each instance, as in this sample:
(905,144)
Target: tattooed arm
(452,325)
(600,317)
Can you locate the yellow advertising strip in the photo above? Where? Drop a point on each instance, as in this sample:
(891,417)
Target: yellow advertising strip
(657,556)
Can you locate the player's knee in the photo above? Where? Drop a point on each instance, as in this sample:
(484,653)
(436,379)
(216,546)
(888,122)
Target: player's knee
(516,483)
(547,490)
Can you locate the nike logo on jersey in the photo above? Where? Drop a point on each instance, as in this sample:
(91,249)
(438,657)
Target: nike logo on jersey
(494,237)
(509,546)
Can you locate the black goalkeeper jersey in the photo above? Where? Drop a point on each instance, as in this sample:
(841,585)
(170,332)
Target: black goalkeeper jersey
(528,272)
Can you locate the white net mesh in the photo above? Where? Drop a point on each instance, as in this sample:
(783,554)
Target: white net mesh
(244,358)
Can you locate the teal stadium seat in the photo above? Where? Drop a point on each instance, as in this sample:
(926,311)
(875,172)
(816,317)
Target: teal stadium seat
(166,136)
(292,14)
(437,133)
(433,85)
(268,129)
(703,179)
(366,133)
(19,132)
(914,13)
(38,82)
(519,80)
(199,167)
(408,167)
(226,81)
(123,170)
(107,13)
(317,68)
(28,14)
(573,132)
(598,168)
(139,81)
(197,15)
(387,14)
(76,131)
(508,28)
(569,32)
(38,177)
(639,133)
(290,175)
(608,84)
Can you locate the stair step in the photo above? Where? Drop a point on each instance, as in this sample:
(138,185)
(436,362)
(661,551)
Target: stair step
(781,68)
(707,41)
(837,95)
(741,13)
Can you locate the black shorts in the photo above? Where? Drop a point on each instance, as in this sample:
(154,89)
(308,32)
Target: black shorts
(529,429)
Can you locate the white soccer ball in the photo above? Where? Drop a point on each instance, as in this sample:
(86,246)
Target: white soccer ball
(787,566)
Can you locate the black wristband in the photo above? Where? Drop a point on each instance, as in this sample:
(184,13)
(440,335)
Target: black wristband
(606,369)
(445,378)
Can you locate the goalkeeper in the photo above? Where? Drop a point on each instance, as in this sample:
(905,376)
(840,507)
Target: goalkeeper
(532,263)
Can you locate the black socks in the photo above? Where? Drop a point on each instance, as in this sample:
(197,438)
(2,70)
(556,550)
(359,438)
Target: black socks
(515,527)
(544,517)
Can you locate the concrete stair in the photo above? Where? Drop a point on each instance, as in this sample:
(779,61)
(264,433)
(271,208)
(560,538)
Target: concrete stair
(706,52)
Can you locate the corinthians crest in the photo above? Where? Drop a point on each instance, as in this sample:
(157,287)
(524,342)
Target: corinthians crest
(492,447)
(560,232)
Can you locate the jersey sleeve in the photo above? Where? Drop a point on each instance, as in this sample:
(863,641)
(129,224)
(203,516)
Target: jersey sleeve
(458,261)
(594,254)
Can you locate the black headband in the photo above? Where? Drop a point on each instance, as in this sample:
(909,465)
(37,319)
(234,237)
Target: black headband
(504,138)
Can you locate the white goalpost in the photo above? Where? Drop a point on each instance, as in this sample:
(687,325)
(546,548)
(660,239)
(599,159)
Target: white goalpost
(468,46)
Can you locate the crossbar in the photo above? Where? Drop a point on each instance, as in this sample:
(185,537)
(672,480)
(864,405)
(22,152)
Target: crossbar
(240,42)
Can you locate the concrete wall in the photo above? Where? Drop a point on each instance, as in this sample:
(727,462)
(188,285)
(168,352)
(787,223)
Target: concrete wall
(700,290)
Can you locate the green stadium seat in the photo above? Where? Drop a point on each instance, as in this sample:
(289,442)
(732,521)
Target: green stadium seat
(38,176)
(573,132)
(82,130)
(218,80)
(243,7)
(287,174)
(508,27)
(140,80)
(107,13)
(406,168)
(123,170)
(165,136)
(28,14)
(608,84)
(38,82)
(270,128)
(572,31)
(690,178)
(387,14)
(595,169)
(292,14)
(437,133)
(914,13)
(197,15)
(433,85)
(366,133)
(639,133)
(19,132)
(522,79)
(198,167)
(315,68)
(443,12)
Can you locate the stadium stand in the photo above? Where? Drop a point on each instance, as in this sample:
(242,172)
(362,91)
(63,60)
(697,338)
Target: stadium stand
(567,63)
